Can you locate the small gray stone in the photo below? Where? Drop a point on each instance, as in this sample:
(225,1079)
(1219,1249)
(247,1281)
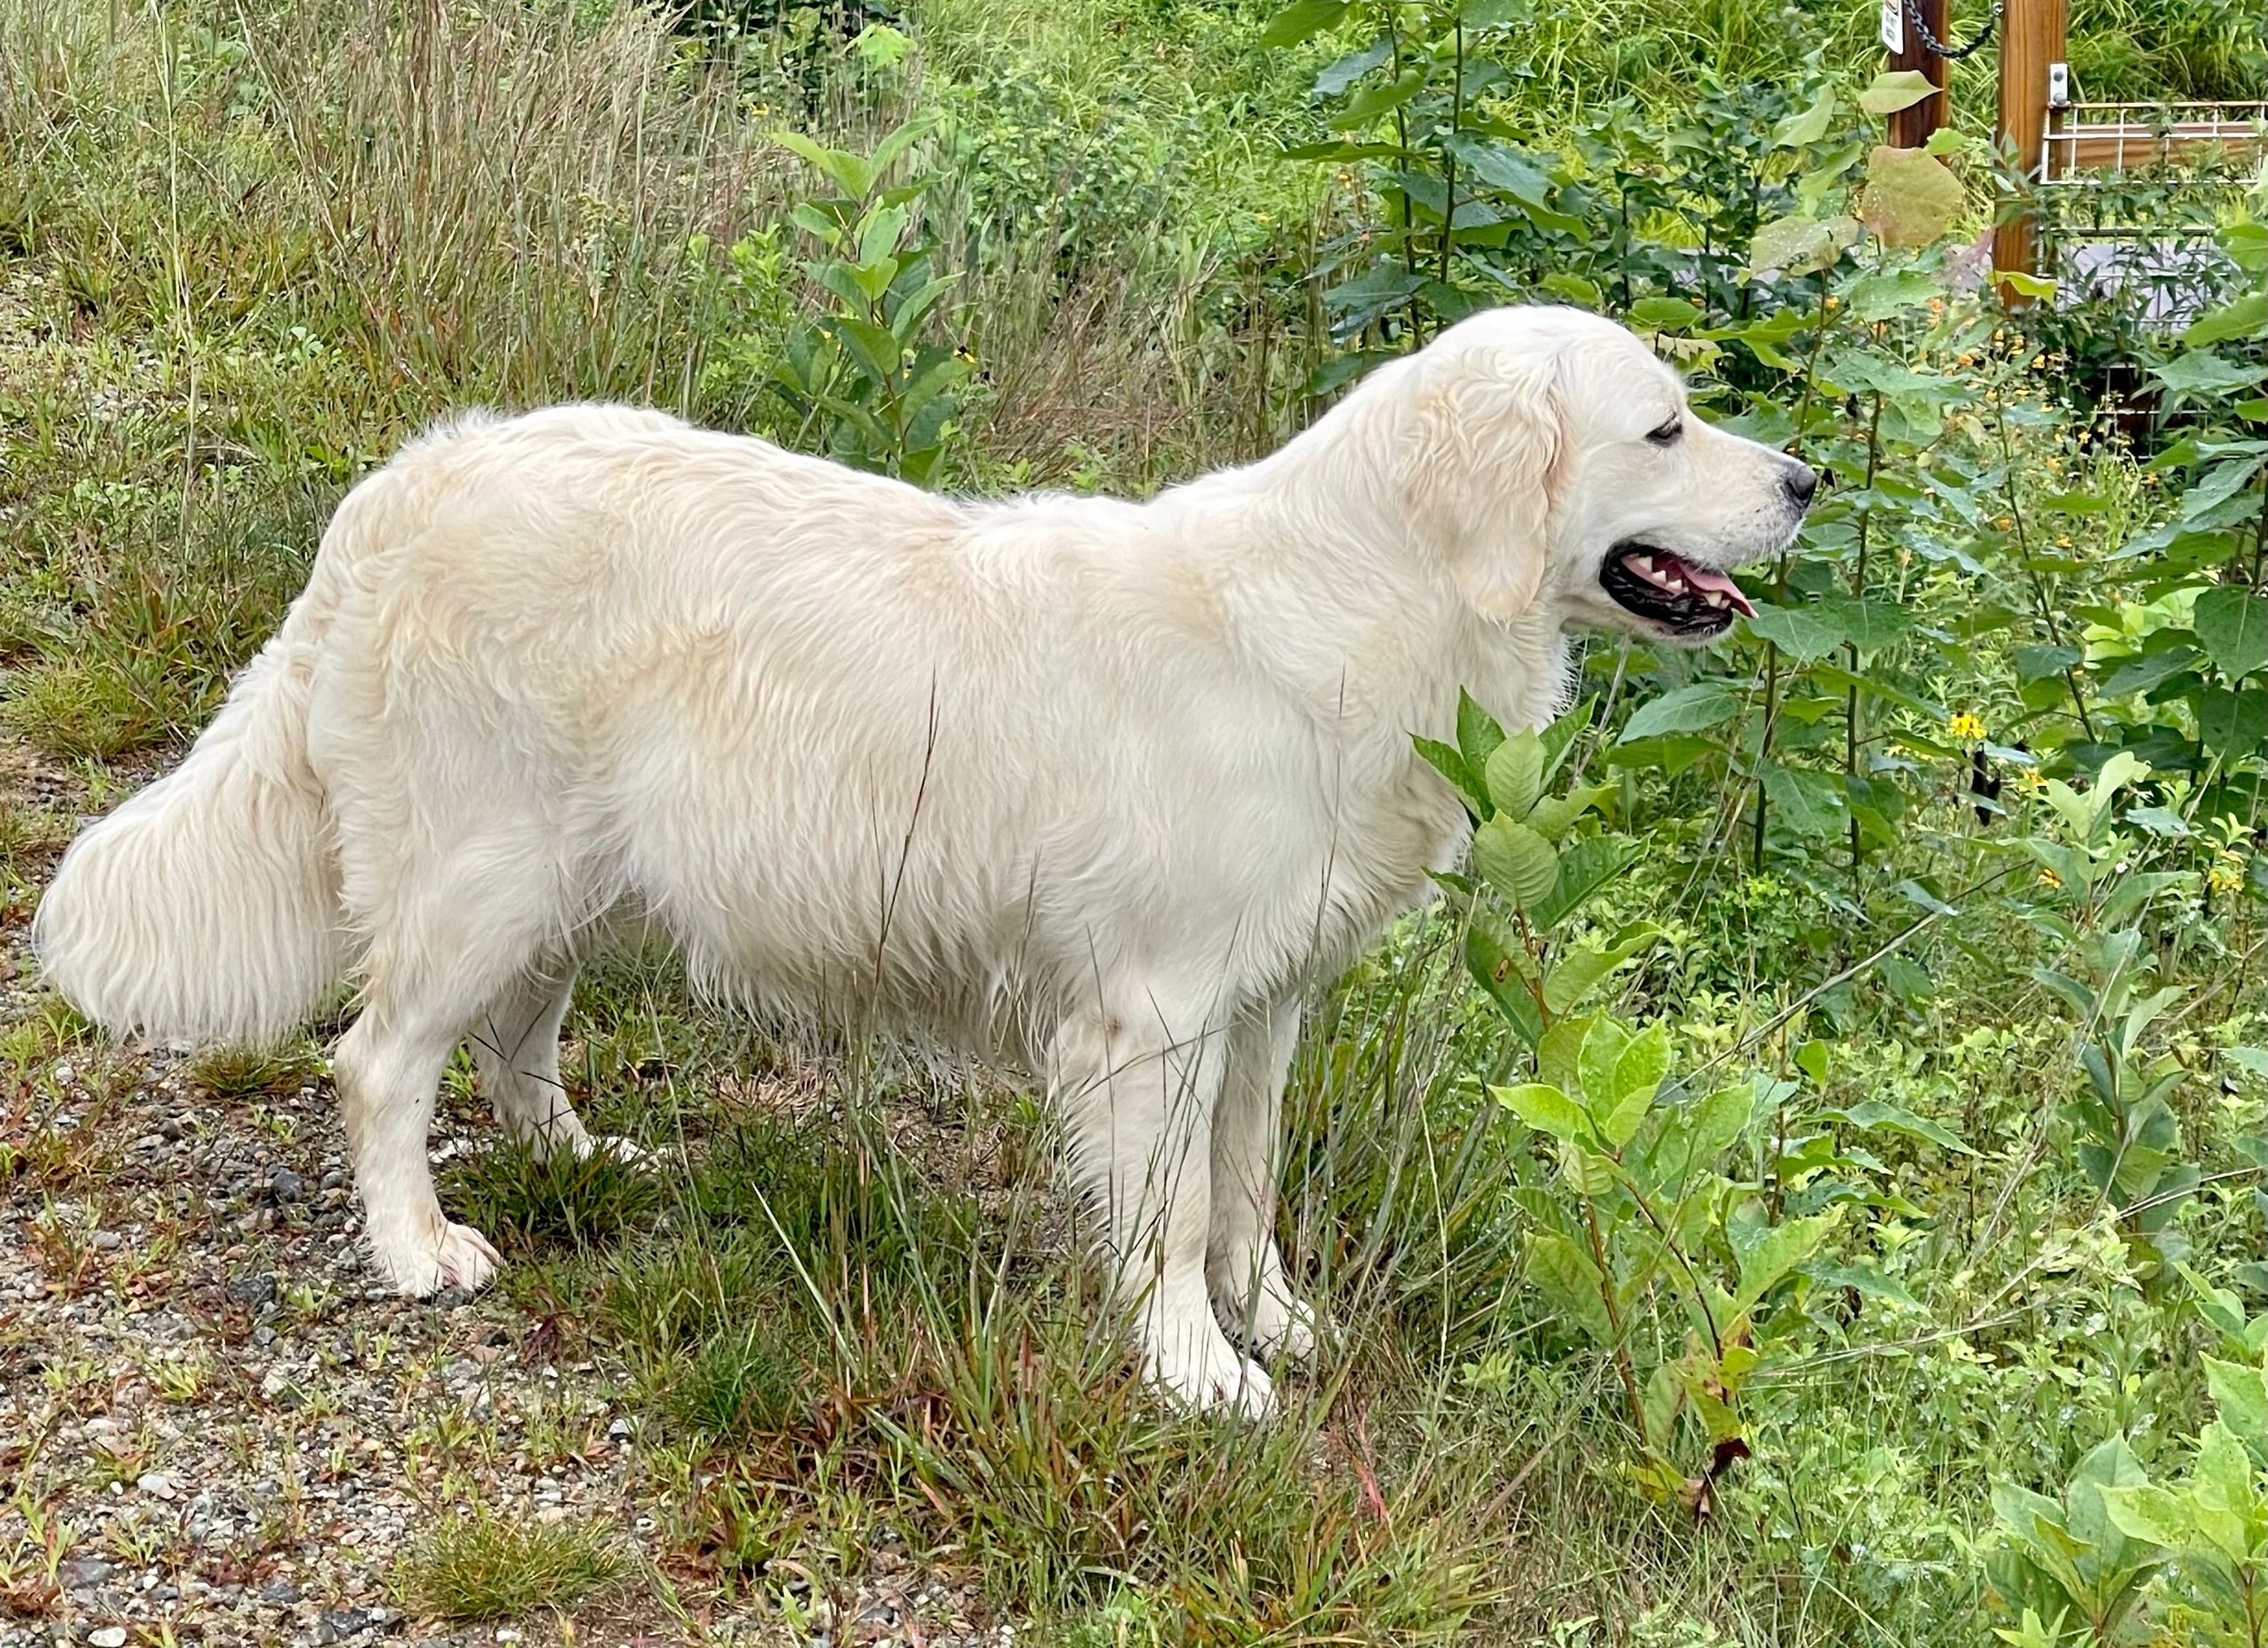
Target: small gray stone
(108,1636)
(258,1288)
(280,1591)
(338,1624)
(80,1572)
(286,1186)
(108,1241)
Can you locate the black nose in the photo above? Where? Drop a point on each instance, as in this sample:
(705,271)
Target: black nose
(1802,481)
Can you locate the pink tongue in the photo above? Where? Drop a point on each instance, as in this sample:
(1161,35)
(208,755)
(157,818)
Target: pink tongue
(1705,577)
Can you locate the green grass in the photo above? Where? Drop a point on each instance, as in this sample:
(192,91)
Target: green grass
(850,1296)
(485,1564)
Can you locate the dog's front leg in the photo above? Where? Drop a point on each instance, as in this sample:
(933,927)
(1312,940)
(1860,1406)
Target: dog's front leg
(1137,1093)
(1242,1263)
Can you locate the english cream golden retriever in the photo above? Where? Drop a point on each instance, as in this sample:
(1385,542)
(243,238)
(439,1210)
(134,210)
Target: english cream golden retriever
(1099,786)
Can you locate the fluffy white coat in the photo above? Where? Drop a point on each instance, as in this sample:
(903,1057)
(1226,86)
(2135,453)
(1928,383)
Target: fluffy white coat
(1101,785)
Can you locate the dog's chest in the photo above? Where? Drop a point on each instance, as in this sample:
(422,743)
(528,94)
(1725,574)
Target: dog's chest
(1376,865)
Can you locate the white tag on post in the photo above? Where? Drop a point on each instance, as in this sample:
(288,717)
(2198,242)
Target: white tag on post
(1893,25)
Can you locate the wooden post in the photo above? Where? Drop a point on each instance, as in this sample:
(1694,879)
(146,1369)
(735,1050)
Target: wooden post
(1910,127)
(2031,38)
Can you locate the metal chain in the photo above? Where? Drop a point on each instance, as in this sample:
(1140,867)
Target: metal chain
(1938,48)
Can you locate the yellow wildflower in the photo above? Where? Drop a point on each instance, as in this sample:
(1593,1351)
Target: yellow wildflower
(2226,873)
(2048,878)
(1965,727)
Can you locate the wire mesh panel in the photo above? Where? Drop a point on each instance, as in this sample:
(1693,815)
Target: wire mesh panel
(2084,141)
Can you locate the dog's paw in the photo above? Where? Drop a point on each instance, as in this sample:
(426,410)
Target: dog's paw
(456,1256)
(615,1147)
(1206,1372)
(1283,1326)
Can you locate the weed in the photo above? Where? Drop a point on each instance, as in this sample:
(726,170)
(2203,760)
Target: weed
(487,1564)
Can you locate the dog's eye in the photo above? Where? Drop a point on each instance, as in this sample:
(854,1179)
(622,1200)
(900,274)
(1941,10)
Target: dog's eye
(1667,434)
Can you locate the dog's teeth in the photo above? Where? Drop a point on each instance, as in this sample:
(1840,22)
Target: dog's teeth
(1642,563)
(1715,597)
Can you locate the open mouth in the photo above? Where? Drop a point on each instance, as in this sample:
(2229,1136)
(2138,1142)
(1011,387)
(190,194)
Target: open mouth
(1683,598)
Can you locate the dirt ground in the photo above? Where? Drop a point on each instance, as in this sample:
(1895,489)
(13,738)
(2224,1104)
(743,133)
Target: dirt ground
(215,1429)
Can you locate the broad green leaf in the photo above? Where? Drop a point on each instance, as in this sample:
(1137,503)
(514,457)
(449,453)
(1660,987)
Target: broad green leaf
(1515,774)
(1779,1251)
(2150,1515)
(2232,622)
(2110,1464)
(1637,1075)
(1579,972)
(1517,862)
(1334,80)
(1587,1171)
(852,174)
(1545,1109)
(1911,199)
(1686,710)
(1569,1282)
(1500,166)
(2223,1481)
(1894,89)
(1373,101)
(1797,244)
(1491,960)
(1880,1116)
(1870,624)
(1558,1060)
(1810,803)
(2232,723)
(1808,127)
(2202,372)
(2245,317)
(1574,976)
(1664,314)
(1554,816)
(1585,866)
(1602,1052)
(2239,1392)
(1811,1058)
(1478,735)
(1450,764)
(1802,633)
(1302,20)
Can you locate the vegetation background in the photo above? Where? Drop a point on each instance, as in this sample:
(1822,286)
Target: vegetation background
(1803,1187)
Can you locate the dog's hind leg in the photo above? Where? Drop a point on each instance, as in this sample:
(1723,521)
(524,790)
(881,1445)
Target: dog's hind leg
(387,1068)
(1242,1263)
(1137,1090)
(516,1049)
(454,931)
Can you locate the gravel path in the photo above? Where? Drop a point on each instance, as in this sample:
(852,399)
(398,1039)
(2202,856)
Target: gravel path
(214,1430)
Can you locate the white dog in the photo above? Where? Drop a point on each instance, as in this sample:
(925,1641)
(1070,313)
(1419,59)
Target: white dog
(1101,786)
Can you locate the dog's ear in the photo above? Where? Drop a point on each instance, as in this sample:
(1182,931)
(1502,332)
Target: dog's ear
(1478,457)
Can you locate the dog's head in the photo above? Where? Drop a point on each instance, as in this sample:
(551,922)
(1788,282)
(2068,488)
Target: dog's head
(1547,458)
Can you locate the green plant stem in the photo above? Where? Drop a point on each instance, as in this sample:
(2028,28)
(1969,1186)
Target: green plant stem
(1614,1325)
(2024,553)
(1858,592)
(1448,156)
(1780,573)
